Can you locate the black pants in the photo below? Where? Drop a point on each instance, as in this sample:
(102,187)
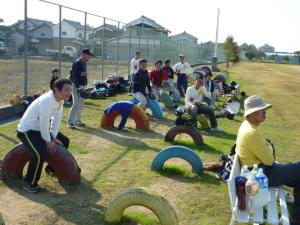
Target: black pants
(286,174)
(206,110)
(35,143)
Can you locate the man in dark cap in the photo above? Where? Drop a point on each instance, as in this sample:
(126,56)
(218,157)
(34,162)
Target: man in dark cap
(140,82)
(79,80)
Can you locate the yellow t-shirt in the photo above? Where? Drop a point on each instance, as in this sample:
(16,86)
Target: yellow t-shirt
(251,146)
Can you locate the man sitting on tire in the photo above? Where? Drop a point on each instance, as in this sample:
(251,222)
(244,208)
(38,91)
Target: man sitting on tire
(158,78)
(140,82)
(195,105)
(39,130)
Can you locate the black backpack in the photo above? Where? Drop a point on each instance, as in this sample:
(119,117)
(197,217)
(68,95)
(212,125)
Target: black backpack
(227,161)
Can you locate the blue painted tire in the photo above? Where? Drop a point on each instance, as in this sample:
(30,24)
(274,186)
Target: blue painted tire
(154,106)
(166,99)
(156,109)
(178,151)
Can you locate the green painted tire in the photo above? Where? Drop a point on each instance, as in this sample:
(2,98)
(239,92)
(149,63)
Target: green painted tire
(142,197)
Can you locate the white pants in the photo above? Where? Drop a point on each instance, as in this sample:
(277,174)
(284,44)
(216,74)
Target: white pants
(141,98)
(76,109)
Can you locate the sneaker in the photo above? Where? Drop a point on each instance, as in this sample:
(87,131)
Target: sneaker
(217,129)
(32,188)
(79,124)
(71,125)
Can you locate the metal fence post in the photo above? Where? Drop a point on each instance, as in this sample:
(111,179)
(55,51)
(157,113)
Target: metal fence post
(60,42)
(117,65)
(139,33)
(129,49)
(84,40)
(25,50)
(102,53)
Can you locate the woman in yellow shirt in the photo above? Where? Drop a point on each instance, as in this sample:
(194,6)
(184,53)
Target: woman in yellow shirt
(252,148)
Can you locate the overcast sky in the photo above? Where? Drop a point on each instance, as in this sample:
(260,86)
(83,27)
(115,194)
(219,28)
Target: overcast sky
(253,21)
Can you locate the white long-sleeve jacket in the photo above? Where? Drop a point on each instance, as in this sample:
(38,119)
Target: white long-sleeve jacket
(44,114)
(194,96)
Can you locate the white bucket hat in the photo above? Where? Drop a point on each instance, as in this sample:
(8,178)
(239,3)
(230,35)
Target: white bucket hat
(253,104)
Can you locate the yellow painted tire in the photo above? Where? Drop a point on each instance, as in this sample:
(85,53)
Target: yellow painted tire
(142,197)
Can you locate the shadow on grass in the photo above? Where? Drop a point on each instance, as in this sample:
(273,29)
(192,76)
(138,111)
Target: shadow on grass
(12,140)
(124,137)
(202,147)
(182,174)
(77,206)
(223,134)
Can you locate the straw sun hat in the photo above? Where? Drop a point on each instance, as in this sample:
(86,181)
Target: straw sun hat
(254,103)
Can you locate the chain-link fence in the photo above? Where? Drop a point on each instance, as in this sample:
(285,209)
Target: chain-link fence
(25,66)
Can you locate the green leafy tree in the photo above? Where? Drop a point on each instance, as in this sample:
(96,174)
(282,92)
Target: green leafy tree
(260,54)
(250,55)
(231,50)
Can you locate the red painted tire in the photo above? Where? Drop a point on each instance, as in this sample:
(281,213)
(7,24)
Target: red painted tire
(179,129)
(64,164)
(136,113)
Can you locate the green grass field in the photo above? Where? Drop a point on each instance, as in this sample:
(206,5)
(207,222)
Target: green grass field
(112,160)
(39,70)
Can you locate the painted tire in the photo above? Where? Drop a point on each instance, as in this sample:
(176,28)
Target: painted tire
(166,99)
(156,109)
(177,151)
(203,121)
(64,164)
(154,106)
(142,197)
(136,113)
(179,129)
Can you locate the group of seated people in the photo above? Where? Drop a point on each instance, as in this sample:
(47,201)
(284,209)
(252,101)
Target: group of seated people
(39,127)
(199,97)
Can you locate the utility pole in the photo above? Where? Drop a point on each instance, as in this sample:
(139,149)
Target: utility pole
(215,57)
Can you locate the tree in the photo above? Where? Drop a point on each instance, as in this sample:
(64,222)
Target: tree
(297,52)
(250,55)
(260,54)
(231,50)
(244,47)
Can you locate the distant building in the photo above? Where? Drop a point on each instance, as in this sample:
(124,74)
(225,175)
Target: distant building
(185,37)
(71,30)
(144,22)
(266,48)
(39,32)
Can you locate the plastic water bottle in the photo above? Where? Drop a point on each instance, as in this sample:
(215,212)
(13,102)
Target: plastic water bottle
(263,193)
(252,186)
(245,172)
(254,171)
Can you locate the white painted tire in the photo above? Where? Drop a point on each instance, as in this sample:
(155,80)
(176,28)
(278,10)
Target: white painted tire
(142,197)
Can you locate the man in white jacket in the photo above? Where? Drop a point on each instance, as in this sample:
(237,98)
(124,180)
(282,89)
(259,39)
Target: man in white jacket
(39,130)
(195,105)
(183,71)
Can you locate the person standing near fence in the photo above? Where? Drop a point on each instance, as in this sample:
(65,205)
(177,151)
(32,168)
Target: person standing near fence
(38,130)
(79,80)
(183,70)
(134,65)
(170,72)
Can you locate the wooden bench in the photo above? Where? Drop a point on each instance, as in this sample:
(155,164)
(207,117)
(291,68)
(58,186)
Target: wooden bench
(257,215)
